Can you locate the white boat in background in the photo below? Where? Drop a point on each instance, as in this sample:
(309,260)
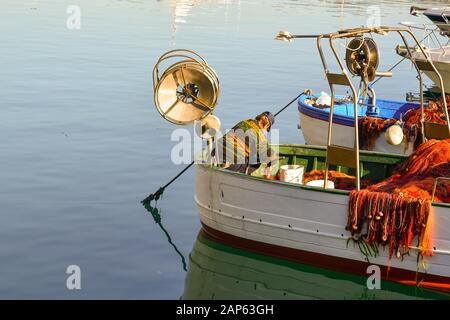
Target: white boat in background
(441,60)
(314,123)
(437,35)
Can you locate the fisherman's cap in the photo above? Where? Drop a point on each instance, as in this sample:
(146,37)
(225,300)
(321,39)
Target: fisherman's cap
(269,116)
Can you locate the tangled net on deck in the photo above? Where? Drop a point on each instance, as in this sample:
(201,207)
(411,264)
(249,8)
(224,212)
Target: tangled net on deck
(397,210)
(370,129)
(341,180)
(434,112)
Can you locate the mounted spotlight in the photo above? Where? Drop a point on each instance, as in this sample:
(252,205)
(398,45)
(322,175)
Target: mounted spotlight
(187,90)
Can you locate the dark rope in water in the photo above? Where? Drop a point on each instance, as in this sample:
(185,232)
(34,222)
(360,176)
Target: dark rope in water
(157,218)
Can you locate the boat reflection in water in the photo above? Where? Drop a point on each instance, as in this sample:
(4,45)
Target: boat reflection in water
(217,271)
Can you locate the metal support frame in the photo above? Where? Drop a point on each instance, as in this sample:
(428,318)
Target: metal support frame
(338,155)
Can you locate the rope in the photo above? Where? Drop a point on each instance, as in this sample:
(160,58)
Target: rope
(157,218)
(157,195)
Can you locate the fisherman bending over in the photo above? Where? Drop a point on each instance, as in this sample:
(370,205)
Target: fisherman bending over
(245,147)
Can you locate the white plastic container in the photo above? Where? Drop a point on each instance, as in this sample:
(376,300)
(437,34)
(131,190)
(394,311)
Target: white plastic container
(324,100)
(292,173)
(319,183)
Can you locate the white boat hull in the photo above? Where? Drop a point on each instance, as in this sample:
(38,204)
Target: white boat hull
(307,223)
(444,70)
(441,60)
(315,132)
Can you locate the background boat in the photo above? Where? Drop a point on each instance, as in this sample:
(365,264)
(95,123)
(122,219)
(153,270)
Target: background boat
(441,60)
(313,122)
(436,44)
(439,16)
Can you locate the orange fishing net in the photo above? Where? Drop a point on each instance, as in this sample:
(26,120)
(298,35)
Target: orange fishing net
(370,129)
(396,211)
(341,180)
(434,112)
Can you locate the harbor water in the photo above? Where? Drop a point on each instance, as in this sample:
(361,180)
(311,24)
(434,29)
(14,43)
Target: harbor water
(82,143)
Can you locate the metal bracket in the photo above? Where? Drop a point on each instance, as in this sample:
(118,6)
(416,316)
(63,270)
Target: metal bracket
(435,185)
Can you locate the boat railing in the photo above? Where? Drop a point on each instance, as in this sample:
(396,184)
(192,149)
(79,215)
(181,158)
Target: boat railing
(431,34)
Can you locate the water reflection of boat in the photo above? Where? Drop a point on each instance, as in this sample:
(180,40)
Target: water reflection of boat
(217,271)
(441,59)
(181,11)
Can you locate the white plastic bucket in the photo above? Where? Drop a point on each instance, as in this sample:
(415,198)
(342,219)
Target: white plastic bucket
(319,183)
(292,173)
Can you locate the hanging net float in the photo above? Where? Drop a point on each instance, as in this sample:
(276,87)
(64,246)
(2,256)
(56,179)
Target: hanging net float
(187,90)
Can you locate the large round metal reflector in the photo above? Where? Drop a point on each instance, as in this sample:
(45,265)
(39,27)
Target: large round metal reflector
(187,91)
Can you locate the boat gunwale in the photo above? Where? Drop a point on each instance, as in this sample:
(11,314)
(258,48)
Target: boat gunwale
(305,187)
(346,120)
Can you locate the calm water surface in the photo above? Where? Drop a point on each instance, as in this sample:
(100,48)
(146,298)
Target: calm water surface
(82,143)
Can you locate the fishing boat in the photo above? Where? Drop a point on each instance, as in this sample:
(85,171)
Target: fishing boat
(361,62)
(307,224)
(217,271)
(333,228)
